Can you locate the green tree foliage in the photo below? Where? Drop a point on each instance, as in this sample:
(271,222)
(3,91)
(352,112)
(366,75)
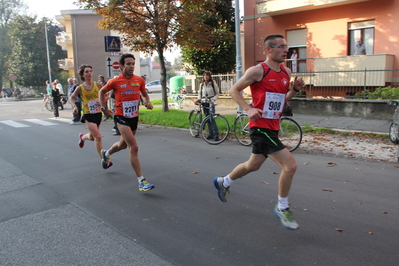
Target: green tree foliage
(155,26)
(8,8)
(221,57)
(29,56)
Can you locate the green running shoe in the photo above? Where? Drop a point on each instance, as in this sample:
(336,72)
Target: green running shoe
(286,218)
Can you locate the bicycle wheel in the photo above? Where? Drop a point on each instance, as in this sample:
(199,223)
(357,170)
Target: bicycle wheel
(173,102)
(186,104)
(215,129)
(194,122)
(393,133)
(290,133)
(241,129)
(49,105)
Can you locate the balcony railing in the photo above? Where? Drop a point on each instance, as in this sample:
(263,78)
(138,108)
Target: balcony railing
(281,7)
(65,63)
(339,84)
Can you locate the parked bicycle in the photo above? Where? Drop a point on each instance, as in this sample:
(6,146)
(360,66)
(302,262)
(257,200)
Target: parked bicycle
(180,101)
(213,123)
(290,132)
(394,128)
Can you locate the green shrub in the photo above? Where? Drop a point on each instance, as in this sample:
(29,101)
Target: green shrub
(379,93)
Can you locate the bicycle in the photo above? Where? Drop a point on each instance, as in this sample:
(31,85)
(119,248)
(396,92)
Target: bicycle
(394,128)
(49,104)
(241,129)
(180,101)
(290,132)
(203,127)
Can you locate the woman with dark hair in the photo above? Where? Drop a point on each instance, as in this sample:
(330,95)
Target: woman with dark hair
(209,89)
(91,106)
(55,93)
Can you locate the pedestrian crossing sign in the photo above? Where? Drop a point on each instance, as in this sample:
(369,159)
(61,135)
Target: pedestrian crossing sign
(112,43)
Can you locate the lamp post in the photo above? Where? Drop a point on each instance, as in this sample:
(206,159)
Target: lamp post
(48,54)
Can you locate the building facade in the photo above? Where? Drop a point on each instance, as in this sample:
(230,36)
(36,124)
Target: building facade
(325,34)
(84,42)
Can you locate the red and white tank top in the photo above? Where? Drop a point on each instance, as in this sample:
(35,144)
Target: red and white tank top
(269,96)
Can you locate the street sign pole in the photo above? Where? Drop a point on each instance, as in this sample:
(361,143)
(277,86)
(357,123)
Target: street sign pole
(238,45)
(48,54)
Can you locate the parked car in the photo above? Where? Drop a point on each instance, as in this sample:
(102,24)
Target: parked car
(155,86)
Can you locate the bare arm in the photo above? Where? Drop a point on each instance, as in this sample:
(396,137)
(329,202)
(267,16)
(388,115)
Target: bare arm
(72,99)
(252,75)
(146,99)
(298,85)
(103,101)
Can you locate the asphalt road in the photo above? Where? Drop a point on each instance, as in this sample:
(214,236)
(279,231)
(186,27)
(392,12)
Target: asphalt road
(59,207)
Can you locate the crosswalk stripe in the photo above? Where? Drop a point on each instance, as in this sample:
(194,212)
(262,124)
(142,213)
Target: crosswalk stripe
(41,122)
(62,119)
(13,123)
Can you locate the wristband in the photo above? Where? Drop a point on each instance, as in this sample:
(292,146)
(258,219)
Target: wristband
(296,90)
(104,108)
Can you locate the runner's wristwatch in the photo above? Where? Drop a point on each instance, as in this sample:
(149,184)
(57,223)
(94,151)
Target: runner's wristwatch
(103,109)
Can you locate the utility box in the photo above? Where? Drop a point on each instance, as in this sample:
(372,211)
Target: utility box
(176,84)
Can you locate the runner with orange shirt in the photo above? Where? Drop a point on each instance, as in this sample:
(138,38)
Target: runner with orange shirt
(127,89)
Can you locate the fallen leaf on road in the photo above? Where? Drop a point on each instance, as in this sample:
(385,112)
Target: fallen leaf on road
(265,182)
(195,172)
(275,173)
(339,230)
(384,212)
(331,164)
(306,163)
(370,233)
(326,189)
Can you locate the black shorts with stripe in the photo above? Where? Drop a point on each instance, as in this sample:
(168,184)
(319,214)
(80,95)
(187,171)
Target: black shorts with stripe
(130,122)
(265,141)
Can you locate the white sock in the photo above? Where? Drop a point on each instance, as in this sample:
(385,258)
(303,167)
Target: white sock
(227,181)
(107,153)
(140,178)
(282,203)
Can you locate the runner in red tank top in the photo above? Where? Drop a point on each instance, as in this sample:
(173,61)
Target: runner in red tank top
(269,83)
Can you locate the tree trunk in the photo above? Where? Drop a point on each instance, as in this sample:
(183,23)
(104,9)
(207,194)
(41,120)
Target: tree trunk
(165,107)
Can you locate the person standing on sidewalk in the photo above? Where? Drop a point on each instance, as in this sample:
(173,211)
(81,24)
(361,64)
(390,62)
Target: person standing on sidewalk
(269,82)
(55,93)
(127,88)
(76,115)
(209,89)
(59,87)
(92,115)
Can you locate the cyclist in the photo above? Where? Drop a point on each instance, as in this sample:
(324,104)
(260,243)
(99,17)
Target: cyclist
(46,96)
(269,82)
